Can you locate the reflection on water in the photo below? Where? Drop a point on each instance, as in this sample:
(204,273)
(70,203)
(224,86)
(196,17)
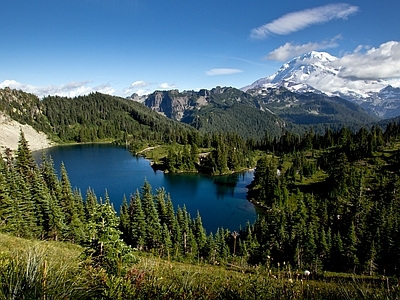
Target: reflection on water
(112,168)
(226,185)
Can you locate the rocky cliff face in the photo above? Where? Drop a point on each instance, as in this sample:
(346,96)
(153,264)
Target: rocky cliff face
(175,105)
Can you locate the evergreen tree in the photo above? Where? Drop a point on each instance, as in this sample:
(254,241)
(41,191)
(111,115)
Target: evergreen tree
(153,226)
(170,219)
(6,205)
(105,247)
(124,221)
(350,247)
(183,222)
(222,248)
(161,206)
(25,163)
(200,234)
(41,202)
(24,222)
(49,175)
(337,253)
(90,203)
(137,222)
(72,209)
(166,242)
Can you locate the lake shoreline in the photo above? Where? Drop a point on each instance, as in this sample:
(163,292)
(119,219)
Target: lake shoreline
(220,200)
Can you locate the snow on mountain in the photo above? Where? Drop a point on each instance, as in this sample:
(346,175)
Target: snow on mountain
(319,72)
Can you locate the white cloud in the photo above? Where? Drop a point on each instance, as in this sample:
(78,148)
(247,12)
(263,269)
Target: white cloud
(289,50)
(70,89)
(105,89)
(139,84)
(296,21)
(167,86)
(377,63)
(139,87)
(222,71)
(142,92)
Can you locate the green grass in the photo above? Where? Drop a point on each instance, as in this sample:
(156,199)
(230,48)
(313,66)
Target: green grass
(42,270)
(55,270)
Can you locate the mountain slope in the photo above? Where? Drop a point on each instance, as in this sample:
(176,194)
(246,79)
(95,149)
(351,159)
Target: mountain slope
(310,108)
(94,117)
(219,109)
(21,106)
(319,72)
(256,111)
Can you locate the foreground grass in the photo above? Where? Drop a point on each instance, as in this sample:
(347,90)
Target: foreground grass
(50,270)
(42,270)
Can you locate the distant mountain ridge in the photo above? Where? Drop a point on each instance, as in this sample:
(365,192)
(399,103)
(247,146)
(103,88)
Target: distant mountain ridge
(318,72)
(219,109)
(311,108)
(256,111)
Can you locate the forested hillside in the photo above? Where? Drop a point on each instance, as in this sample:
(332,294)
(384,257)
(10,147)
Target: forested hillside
(91,118)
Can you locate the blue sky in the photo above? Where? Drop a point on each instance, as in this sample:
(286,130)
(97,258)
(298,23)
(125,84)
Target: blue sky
(72,47)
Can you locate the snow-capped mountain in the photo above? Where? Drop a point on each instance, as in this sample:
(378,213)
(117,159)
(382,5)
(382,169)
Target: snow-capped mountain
(320,72)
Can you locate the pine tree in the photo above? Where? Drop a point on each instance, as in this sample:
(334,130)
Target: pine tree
(200,234)
(153,226)
(49,175)
(170,215)
(310,247)
(106,247)
(337,253)
(90,203)
(72,209)
(350,247)
(322,246)
(221,245)
(183,222)
(66,197)
(56,224)
(40,198)
(161,205)
(6,204)
(166,242)
(24,222)
(25,163)
(137,222)
(124,221)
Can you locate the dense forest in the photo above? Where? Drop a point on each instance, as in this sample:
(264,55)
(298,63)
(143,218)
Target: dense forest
(326,208)
(331,200)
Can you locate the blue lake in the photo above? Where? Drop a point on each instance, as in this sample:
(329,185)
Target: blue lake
(221,200)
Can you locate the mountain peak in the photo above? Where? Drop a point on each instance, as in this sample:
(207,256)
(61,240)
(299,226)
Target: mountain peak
(298,70)
(315,55)
(319,72)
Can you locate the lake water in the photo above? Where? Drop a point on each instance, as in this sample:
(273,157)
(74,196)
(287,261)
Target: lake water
(221,200)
